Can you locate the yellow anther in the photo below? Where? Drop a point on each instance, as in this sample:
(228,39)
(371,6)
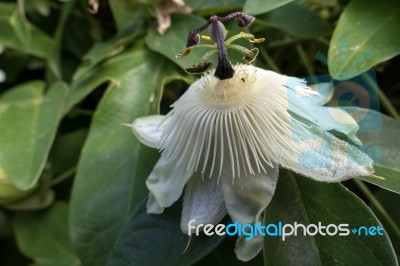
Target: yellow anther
(206,37)
(254,40)
(184,53)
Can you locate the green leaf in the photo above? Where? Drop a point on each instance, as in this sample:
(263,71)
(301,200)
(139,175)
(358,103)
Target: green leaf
(298,199)
(55,55)
(43,236)
(110,179)
(34,116)
(391,177)
(390,201)
(257,7)
(212,7)
(99,68)
(19,34)
(21,26)
(122,11)
(36,201)
(367,34)
(296,20)
(95,56)
(173,41)
(158,240)
(41,6)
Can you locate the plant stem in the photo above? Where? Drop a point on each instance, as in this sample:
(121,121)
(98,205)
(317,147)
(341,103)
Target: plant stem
(383,98)
(305,60)
(285,42)
(375,202)
(63,176)
(323,41)
(270,62)
(81,111)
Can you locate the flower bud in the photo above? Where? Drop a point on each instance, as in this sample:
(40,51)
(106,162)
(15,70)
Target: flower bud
(193,39)
(245,20)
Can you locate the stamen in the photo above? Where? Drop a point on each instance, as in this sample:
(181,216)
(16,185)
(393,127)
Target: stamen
(224,68)
(206,37)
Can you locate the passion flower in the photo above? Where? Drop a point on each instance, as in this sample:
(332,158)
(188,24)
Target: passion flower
(225,138)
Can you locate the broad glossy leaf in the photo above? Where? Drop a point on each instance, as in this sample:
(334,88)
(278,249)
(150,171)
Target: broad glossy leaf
(296,20)
(158,240)
(41,6)
(110,179)
(125,12)
(19,34)
(9,193)
(54,63)
(95,72)
(39,199)
(257,7)
(389,201)
(367,34)
(94,57)
(29,119)
(301,200)
(43,236)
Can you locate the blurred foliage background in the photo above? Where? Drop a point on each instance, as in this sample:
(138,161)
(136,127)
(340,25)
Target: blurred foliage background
(72,176)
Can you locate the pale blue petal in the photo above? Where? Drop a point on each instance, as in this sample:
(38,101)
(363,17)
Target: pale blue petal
(331,118)
(308,106)
(203,201)
(325,91)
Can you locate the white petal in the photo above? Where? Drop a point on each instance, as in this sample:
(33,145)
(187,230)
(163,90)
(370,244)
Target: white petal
(166,183)
(203,201)
(148,129)
(153,206)
(247,197)
(323,157)
(246,250)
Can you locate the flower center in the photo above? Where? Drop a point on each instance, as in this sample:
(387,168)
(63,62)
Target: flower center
(228,91)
